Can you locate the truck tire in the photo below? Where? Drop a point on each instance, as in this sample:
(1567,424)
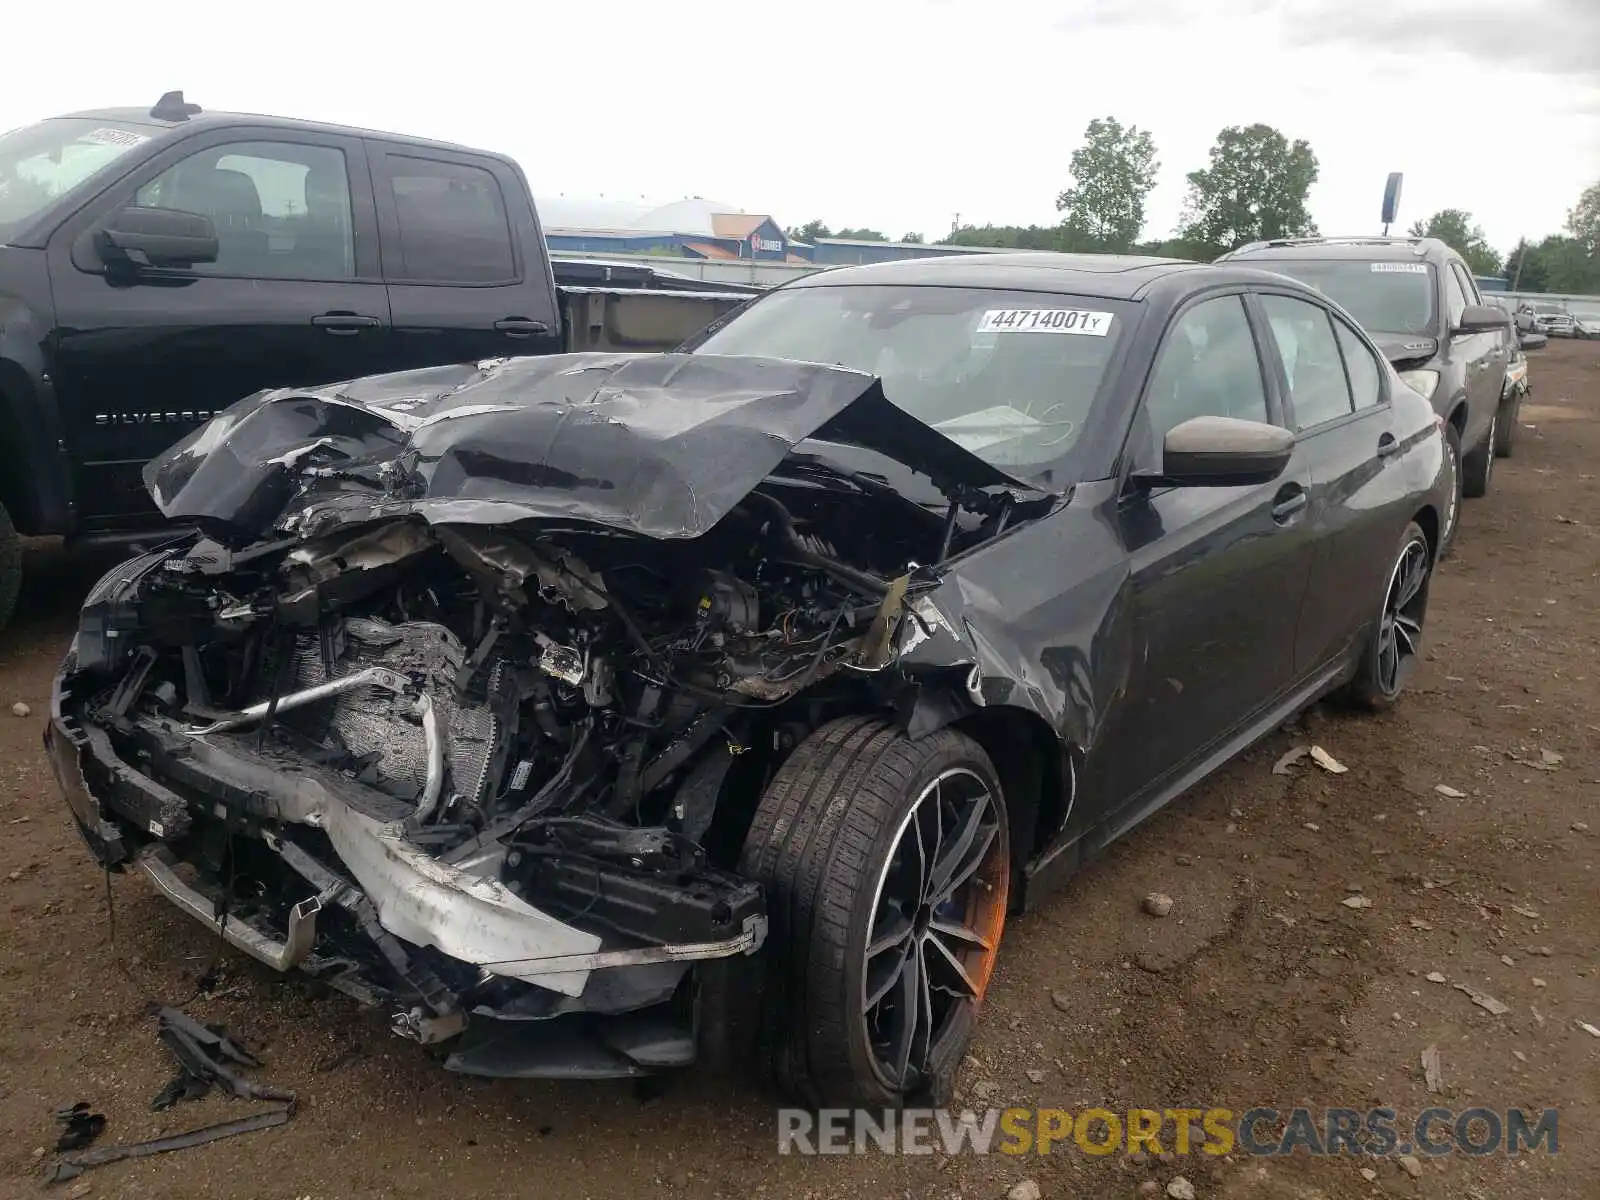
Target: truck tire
(886,863)
(1505,437)
(10,567)
(1478,466)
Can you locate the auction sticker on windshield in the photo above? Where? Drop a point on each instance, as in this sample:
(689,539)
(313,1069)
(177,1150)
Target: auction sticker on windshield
(1045,320)
(1392,268)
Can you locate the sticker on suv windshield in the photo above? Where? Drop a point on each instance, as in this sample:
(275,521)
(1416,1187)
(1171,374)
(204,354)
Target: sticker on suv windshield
(1401,268)
(1045,320)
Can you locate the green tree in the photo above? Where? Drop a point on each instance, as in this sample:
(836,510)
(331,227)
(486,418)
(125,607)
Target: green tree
(1112,175)
(1254,187)
(1009,237)
(1454,227)
(1583,222)
(1555,264)
(809,232)
(861,235)
(914,239)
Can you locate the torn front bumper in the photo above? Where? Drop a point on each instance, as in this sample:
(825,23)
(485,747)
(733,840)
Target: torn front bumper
(350,899)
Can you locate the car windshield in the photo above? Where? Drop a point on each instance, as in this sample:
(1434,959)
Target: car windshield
(1386,297)
(1009,375)
(39,163)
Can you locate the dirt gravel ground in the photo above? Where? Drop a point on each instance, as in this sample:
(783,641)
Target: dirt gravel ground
(1261,987)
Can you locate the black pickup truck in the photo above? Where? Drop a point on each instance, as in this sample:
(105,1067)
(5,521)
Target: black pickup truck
(158,265)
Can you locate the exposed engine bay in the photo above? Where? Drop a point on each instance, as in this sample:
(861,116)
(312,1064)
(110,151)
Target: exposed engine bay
(498,768)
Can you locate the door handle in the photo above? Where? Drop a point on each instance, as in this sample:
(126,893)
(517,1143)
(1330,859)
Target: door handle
(343,324)
(1387,445)
(520,327)
(1289,503)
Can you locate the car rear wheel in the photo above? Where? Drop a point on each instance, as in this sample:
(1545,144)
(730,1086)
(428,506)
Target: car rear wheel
(10,567)
(1478,467)
(886,863)
(1394,647)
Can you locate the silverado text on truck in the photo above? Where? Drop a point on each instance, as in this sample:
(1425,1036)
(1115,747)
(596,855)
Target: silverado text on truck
(156,266)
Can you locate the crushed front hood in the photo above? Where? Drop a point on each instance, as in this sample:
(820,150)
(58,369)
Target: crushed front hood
(663,445)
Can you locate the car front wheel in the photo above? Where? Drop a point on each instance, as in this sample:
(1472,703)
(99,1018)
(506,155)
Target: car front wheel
(886,863)
(1394,648)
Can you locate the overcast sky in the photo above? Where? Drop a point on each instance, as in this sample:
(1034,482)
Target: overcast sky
(894,114)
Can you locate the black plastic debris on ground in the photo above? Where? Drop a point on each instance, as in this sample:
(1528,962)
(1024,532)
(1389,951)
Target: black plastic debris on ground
(81,1126)
(204,1054)
(207,1058)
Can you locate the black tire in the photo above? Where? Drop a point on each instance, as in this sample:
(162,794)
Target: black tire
(1477,468)
(10,567)
(1450,521)
(1505,439)
(823,844)
(1381,677)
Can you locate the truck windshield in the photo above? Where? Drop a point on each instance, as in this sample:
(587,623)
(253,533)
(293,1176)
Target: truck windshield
(39,163)
(1011,376)
(1386,297)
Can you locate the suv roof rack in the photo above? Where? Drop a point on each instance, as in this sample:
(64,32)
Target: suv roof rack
(1420,245)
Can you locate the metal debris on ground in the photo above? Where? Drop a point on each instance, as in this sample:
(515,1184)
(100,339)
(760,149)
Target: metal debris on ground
(1449,792)
(1483,1000)
(1432,1071)
(80,1124)
(1327,761)
(203,1054)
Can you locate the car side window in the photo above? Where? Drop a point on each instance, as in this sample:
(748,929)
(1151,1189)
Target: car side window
(452,223)
(1311,360)
(1362,366)
(1455,299)
(1208,366)
(281,210)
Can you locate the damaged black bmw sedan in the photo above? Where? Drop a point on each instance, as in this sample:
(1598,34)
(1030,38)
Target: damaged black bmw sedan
(600,714)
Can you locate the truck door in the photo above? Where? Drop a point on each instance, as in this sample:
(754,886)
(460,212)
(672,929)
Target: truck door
(464,258)
(295,297)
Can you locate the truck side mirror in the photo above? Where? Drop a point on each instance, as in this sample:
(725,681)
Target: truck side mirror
(157,237)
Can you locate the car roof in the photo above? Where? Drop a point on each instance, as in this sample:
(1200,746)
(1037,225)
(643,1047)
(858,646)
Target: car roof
(1111,276)
(1104,276)
(207,118)
(1359,249)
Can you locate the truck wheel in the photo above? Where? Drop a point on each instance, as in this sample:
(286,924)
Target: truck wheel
(1452,514)
(886,863)
(1505,436)
(10,567)
(1477,467)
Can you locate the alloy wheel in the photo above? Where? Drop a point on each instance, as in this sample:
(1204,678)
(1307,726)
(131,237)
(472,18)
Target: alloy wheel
(937,915)
(1400,629)
(1453,462)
